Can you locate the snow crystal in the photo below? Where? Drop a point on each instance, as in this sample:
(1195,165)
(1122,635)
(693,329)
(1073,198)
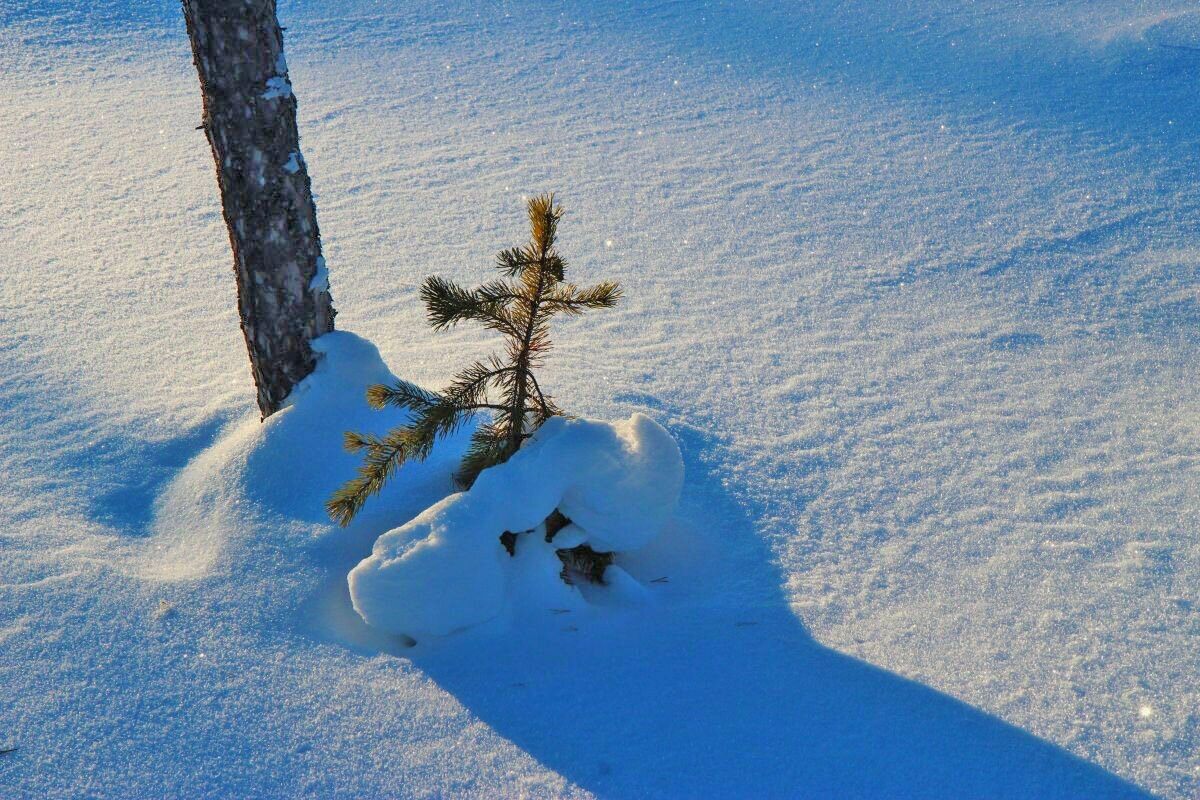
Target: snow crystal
(445,570)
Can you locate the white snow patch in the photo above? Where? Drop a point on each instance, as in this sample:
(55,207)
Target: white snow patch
(445,570)
(320,281)
(277,86)
(570,536)
(293,163)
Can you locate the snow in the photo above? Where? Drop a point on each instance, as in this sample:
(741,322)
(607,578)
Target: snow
(440,573)
(320,281)
(445,570)
(915,291)
(278,86)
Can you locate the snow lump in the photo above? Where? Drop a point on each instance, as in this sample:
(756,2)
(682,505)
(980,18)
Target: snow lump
(446,569)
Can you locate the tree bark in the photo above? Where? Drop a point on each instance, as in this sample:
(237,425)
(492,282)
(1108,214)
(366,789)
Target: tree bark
(250,120)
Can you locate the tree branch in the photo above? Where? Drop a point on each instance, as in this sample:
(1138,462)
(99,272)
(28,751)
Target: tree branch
(541,397)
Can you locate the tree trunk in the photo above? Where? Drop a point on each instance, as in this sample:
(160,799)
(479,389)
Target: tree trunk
(250,119)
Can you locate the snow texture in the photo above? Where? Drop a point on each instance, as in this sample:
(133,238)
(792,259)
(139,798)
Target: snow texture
(445,570)
(915,291)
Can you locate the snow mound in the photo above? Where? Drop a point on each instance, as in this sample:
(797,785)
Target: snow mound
(285,467)
(297,458)
(446,569)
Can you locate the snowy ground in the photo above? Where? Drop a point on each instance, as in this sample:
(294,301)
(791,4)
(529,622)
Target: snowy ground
(914,286)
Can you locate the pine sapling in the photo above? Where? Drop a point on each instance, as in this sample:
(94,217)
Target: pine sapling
(518,306)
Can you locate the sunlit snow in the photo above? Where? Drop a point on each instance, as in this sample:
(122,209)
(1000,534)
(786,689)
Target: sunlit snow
(913,287)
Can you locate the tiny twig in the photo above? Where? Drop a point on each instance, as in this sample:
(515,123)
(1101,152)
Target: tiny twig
(663,579)
(560,611)
(477,406)
(541,397)
(8,750)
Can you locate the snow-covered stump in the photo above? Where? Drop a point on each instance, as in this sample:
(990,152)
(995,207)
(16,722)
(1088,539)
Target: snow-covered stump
(618,484)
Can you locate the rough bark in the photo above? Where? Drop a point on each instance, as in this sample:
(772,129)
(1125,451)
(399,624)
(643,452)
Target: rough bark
(250,120)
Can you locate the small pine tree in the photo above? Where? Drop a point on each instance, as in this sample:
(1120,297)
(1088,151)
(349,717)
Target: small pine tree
(519,307)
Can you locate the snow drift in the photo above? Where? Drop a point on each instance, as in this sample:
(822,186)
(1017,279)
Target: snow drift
(446,569)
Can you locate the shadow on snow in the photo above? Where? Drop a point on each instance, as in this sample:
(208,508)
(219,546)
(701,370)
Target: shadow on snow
(718,690)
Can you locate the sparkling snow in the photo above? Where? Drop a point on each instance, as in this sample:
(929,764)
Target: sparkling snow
(915,291)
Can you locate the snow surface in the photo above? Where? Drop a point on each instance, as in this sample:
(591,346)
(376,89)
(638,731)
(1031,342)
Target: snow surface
(445,570)
(913,287)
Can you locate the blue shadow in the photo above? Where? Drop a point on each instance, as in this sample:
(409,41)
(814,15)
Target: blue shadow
(130,474)
(722,693)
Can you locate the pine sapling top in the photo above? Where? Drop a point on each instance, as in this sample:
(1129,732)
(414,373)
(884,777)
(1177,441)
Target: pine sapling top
(519,306)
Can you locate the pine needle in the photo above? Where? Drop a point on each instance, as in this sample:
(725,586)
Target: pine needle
(402,395)
(520,310)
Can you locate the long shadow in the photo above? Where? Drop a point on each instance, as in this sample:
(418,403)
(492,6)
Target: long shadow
(717,690)
(957,60)
(131,474)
